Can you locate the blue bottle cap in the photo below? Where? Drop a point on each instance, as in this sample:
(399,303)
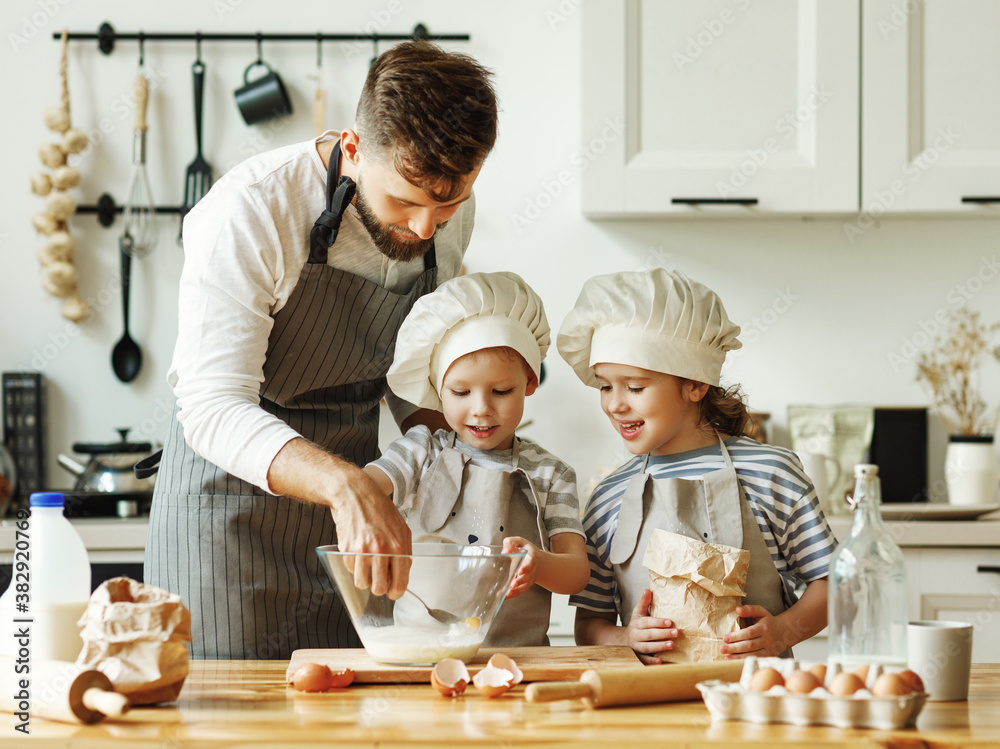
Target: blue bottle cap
(47,499)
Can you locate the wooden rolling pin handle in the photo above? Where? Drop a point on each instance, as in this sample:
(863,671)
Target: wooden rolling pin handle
(107,703)
(557,690)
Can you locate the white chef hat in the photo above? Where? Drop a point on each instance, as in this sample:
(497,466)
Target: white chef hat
(659,320)
(465,314)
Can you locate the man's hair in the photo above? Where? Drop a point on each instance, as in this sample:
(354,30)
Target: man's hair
(434,113)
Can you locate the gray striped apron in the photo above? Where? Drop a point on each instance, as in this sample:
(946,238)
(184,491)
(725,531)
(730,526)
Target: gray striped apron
(242,560)
(712,508)
(461,503)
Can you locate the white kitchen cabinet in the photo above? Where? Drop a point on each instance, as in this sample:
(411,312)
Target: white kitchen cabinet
(819,106)
(690,104)
(930,106)
(960,585)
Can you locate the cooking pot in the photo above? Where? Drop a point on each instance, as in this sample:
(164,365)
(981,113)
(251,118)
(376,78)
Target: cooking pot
(110,466)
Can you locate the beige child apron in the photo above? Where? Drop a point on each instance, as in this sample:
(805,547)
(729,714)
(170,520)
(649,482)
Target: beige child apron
(712,509)
(460,503)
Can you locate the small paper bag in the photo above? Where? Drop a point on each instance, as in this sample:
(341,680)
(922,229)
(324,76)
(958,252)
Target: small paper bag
(698,587)
(137,636)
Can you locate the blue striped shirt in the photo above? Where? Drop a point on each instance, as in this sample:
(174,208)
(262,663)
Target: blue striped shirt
(781,497)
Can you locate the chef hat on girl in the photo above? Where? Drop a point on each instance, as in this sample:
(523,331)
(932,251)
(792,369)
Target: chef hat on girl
(659,320)
(465,314)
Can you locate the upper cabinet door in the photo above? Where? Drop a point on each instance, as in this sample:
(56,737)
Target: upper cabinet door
(692,103)
(931,106)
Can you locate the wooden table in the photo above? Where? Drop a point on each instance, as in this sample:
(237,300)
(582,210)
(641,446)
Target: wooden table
(246,703)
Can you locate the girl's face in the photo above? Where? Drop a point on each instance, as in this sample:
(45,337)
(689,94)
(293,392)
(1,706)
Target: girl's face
(482,397)
(653,412)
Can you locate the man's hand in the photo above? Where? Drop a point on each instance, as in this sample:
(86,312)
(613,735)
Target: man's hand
(367,521)
(648,635)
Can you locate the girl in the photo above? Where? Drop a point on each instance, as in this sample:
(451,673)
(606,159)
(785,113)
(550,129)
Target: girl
(654,343)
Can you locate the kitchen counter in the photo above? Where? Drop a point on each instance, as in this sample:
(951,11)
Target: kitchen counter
(983,532)
(246,703)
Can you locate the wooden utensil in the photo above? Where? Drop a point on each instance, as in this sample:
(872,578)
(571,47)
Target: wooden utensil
(557,663)
(671,682)
(59,690)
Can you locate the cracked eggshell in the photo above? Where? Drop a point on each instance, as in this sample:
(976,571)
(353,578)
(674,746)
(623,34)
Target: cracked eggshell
(493,681)
(311,677)
(450,677)
(500,660)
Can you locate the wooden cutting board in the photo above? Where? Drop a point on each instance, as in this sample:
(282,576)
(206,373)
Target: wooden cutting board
(555,663)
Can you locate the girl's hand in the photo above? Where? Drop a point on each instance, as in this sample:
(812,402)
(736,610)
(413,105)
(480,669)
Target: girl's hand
(648,635)
(527,573)
(767,636)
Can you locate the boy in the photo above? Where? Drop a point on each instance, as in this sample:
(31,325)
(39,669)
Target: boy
(473,349)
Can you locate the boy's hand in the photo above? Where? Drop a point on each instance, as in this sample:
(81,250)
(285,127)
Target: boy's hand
(648,635)
(767,636)
(527,573)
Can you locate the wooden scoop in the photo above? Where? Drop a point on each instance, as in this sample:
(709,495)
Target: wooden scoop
(671,682)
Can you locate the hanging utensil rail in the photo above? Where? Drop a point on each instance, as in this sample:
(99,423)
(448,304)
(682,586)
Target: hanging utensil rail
(106,36)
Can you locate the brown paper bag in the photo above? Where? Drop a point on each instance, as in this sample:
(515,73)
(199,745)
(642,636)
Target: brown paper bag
(698,587)
(136,635)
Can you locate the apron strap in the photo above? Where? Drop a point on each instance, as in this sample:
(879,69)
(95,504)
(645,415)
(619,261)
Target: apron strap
(724,503)
(338,197)
(447,469)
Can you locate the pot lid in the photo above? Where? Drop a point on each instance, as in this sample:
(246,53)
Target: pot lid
(86,448)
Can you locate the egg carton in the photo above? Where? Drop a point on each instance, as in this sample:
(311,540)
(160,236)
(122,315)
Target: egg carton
(735,701)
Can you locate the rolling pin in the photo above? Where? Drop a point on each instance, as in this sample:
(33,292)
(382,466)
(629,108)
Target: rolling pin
(672,682)
(58,690)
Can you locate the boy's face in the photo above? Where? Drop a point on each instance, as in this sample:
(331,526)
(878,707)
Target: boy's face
(482,396)
(653,412)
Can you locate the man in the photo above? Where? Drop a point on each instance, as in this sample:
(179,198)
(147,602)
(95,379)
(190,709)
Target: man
(287,325)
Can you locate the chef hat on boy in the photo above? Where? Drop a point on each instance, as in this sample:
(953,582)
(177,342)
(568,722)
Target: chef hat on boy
(462,315)
(659,320)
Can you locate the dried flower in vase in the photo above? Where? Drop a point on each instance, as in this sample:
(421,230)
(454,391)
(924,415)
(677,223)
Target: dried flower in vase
(951,369)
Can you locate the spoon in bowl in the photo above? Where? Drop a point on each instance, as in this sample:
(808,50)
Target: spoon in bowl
(445,617)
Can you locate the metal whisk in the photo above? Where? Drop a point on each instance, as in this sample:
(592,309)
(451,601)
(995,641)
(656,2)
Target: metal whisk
(139,214)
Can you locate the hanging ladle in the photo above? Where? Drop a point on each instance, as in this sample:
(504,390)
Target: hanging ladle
(126,357)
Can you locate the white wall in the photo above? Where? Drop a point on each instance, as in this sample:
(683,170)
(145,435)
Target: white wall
(822,314)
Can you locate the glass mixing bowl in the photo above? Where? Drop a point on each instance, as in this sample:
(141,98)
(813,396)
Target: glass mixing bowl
(468,582)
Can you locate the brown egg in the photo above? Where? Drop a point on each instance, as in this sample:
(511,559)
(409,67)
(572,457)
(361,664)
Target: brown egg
(845,684)
(342,678)
(766,678)
(802,682)
(311,677)
(912,679)
(819,671)
(889,685)
(450,677)
(862,673)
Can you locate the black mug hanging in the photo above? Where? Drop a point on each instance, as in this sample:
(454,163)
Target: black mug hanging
(263,98)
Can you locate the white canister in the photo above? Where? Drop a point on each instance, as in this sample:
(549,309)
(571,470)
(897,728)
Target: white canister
(970,470)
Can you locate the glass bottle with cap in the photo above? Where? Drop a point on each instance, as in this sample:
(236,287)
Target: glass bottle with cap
(867,585)
(54,585)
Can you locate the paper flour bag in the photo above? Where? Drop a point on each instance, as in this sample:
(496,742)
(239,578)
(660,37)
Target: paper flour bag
(698,587)
(137,636)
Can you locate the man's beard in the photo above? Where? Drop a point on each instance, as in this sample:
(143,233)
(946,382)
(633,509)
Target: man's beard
(381,234)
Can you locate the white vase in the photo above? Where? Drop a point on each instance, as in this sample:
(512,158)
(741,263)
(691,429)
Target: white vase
(970,470)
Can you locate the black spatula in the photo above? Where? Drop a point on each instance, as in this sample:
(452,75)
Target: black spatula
(199,171)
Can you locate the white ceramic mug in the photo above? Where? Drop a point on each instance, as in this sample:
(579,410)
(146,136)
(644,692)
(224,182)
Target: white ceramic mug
(941,654)
(824,472)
